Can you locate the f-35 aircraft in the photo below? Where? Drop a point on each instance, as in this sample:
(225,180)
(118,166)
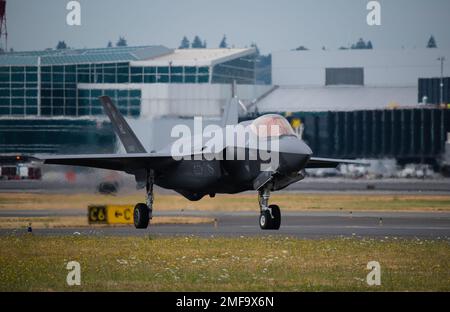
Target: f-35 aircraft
(194,175)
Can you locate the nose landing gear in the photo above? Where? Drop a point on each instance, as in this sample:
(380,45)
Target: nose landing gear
(270,215)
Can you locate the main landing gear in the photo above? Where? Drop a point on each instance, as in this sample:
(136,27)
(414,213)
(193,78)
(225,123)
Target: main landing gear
(143,212)
(270,216)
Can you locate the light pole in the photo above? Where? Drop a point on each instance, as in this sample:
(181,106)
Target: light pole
(441,85)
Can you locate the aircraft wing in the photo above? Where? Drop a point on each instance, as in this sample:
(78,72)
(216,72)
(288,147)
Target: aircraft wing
(317,162)
(121,162)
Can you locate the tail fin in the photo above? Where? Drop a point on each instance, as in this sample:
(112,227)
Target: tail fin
(230,114)
(121,127)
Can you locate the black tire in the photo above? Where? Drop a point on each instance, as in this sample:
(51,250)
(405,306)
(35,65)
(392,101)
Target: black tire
(276,213)
(141,216)
(265,220)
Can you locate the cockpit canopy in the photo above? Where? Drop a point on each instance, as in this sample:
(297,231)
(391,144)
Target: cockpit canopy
(271,125)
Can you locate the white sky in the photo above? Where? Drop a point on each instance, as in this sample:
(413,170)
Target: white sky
(274,25)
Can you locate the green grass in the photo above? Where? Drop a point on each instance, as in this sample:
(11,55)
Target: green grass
(31,263)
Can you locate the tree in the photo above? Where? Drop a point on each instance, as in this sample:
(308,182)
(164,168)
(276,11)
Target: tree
(197,43)
(204,44)
(361,44)
(122,42)
(61,45)
(223,44)
(301,48)
(431,43)
(109,44)
(185,44)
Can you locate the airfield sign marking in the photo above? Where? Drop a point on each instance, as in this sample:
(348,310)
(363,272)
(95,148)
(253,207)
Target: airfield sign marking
(110,214)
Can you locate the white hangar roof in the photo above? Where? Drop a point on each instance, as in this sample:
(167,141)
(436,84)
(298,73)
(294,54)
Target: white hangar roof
(195,57)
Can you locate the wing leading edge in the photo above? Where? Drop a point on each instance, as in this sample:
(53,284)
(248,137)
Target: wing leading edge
(317,162)
(121,162)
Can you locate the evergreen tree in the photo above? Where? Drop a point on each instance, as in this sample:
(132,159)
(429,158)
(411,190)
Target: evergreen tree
(185,44)
(301,48)
(223,44)
(369,45)
(61,45)
(361,44)
(122,42)
(109,44)
(431,43)
(197,43)
(204,44)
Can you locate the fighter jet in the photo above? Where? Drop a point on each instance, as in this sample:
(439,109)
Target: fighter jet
(270,157)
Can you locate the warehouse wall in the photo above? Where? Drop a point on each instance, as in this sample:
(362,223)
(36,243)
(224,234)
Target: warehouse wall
(381,67)
(430,87)
(405,134)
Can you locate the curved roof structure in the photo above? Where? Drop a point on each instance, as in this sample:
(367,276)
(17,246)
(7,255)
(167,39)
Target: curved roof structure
(79,56)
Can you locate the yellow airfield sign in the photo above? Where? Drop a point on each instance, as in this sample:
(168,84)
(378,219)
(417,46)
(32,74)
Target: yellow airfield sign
(110,214)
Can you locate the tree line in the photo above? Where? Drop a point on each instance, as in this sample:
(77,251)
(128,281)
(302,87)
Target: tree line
(361,44)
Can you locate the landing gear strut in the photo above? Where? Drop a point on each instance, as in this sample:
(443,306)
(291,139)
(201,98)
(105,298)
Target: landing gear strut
(270,216)
(143,213)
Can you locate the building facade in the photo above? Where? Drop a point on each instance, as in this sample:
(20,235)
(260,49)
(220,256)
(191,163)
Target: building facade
(364,103)
(39,89)
(369,68)
(46,83)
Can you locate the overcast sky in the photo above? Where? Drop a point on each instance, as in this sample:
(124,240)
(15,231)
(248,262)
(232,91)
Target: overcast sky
(273,24)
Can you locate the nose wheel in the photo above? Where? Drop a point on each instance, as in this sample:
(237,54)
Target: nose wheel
(270,219)
(270,215)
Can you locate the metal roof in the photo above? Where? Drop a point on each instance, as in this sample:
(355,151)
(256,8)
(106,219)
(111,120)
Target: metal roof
(342,98)
(79,56)
(195,57)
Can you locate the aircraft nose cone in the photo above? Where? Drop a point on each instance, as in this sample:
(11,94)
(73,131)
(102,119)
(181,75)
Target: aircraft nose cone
(294,153)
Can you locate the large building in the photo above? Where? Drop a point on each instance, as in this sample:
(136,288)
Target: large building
(364,103)
(49,99)
(345,80)
(46,83)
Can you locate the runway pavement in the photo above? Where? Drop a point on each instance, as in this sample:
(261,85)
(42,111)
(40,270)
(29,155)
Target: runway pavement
(331,184)
(379,225)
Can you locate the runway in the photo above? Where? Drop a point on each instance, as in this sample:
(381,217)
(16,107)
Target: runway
(309,225)
(336,185)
